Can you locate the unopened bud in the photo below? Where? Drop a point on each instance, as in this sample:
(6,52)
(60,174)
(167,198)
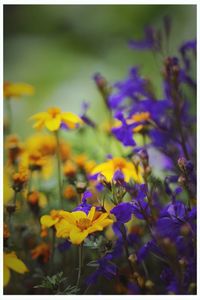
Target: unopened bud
(182,180)
(185,229)
(149,284)
(133,258)
(182,262)
(81,187)
(11,208)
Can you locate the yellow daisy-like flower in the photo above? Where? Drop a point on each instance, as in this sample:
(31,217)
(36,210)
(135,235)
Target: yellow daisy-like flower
(52,219)
(53,118)
(78,225)
(128,169)
(12,262)
(16,90)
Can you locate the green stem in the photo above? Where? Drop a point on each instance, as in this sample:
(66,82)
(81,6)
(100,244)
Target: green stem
(123,232)
(59,168)
(9,114)
(53,245)
(79,264)
(15,198)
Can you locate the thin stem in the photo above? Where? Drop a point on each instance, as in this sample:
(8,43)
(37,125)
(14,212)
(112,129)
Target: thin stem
(15,198)
(80,248)
(123,232)
(9,114)
(59,167)
(53,244)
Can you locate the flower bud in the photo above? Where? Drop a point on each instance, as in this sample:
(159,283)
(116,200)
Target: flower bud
(133,257)
(11,208)
(81,187)
(149,284)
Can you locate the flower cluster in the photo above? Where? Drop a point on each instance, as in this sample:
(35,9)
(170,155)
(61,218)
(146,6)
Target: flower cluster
(128,210)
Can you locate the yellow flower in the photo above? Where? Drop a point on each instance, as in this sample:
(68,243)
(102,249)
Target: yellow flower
(84,163)
(53,118)
(129,170)
(16,90)
(78,225)
(44,143)
(52,219)
(11,262)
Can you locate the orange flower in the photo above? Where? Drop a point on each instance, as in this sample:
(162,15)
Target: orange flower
(14,147)
(6,232)
(69,192)
(70,169)
(20,179)
(41,252)
(65,151)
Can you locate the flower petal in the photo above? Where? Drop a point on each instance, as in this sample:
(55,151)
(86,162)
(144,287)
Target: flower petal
(78,215)
(91,213)
(14,263)
(48,221)
(102,217)
(63,228)
(71,119)
(76,236)
(6,275)
(53,124)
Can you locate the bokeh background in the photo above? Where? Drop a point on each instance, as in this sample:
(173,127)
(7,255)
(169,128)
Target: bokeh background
(58,48)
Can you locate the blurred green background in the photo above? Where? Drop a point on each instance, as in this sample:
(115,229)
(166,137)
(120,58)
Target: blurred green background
(58,48)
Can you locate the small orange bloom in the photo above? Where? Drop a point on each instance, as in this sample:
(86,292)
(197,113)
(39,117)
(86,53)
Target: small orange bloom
(70,169)
(69,192)
(41,252)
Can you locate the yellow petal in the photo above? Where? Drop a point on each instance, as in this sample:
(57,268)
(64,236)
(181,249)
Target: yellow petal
(91,213)
(77,237)
(94,227)
(78,215)
(68,216)
(71,118)
(108,174)
(14,263)
(39,116)
(6,275)
(39,124)
(48,221)
(102,217)
(105,222)
(53,123)
(102,167)
(63,228)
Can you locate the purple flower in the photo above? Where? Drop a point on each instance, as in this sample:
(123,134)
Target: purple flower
(132,88)
(122,212)
(124,133)
(105,268)
(185,48)
(84,206)
(64,246)
(150,41)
